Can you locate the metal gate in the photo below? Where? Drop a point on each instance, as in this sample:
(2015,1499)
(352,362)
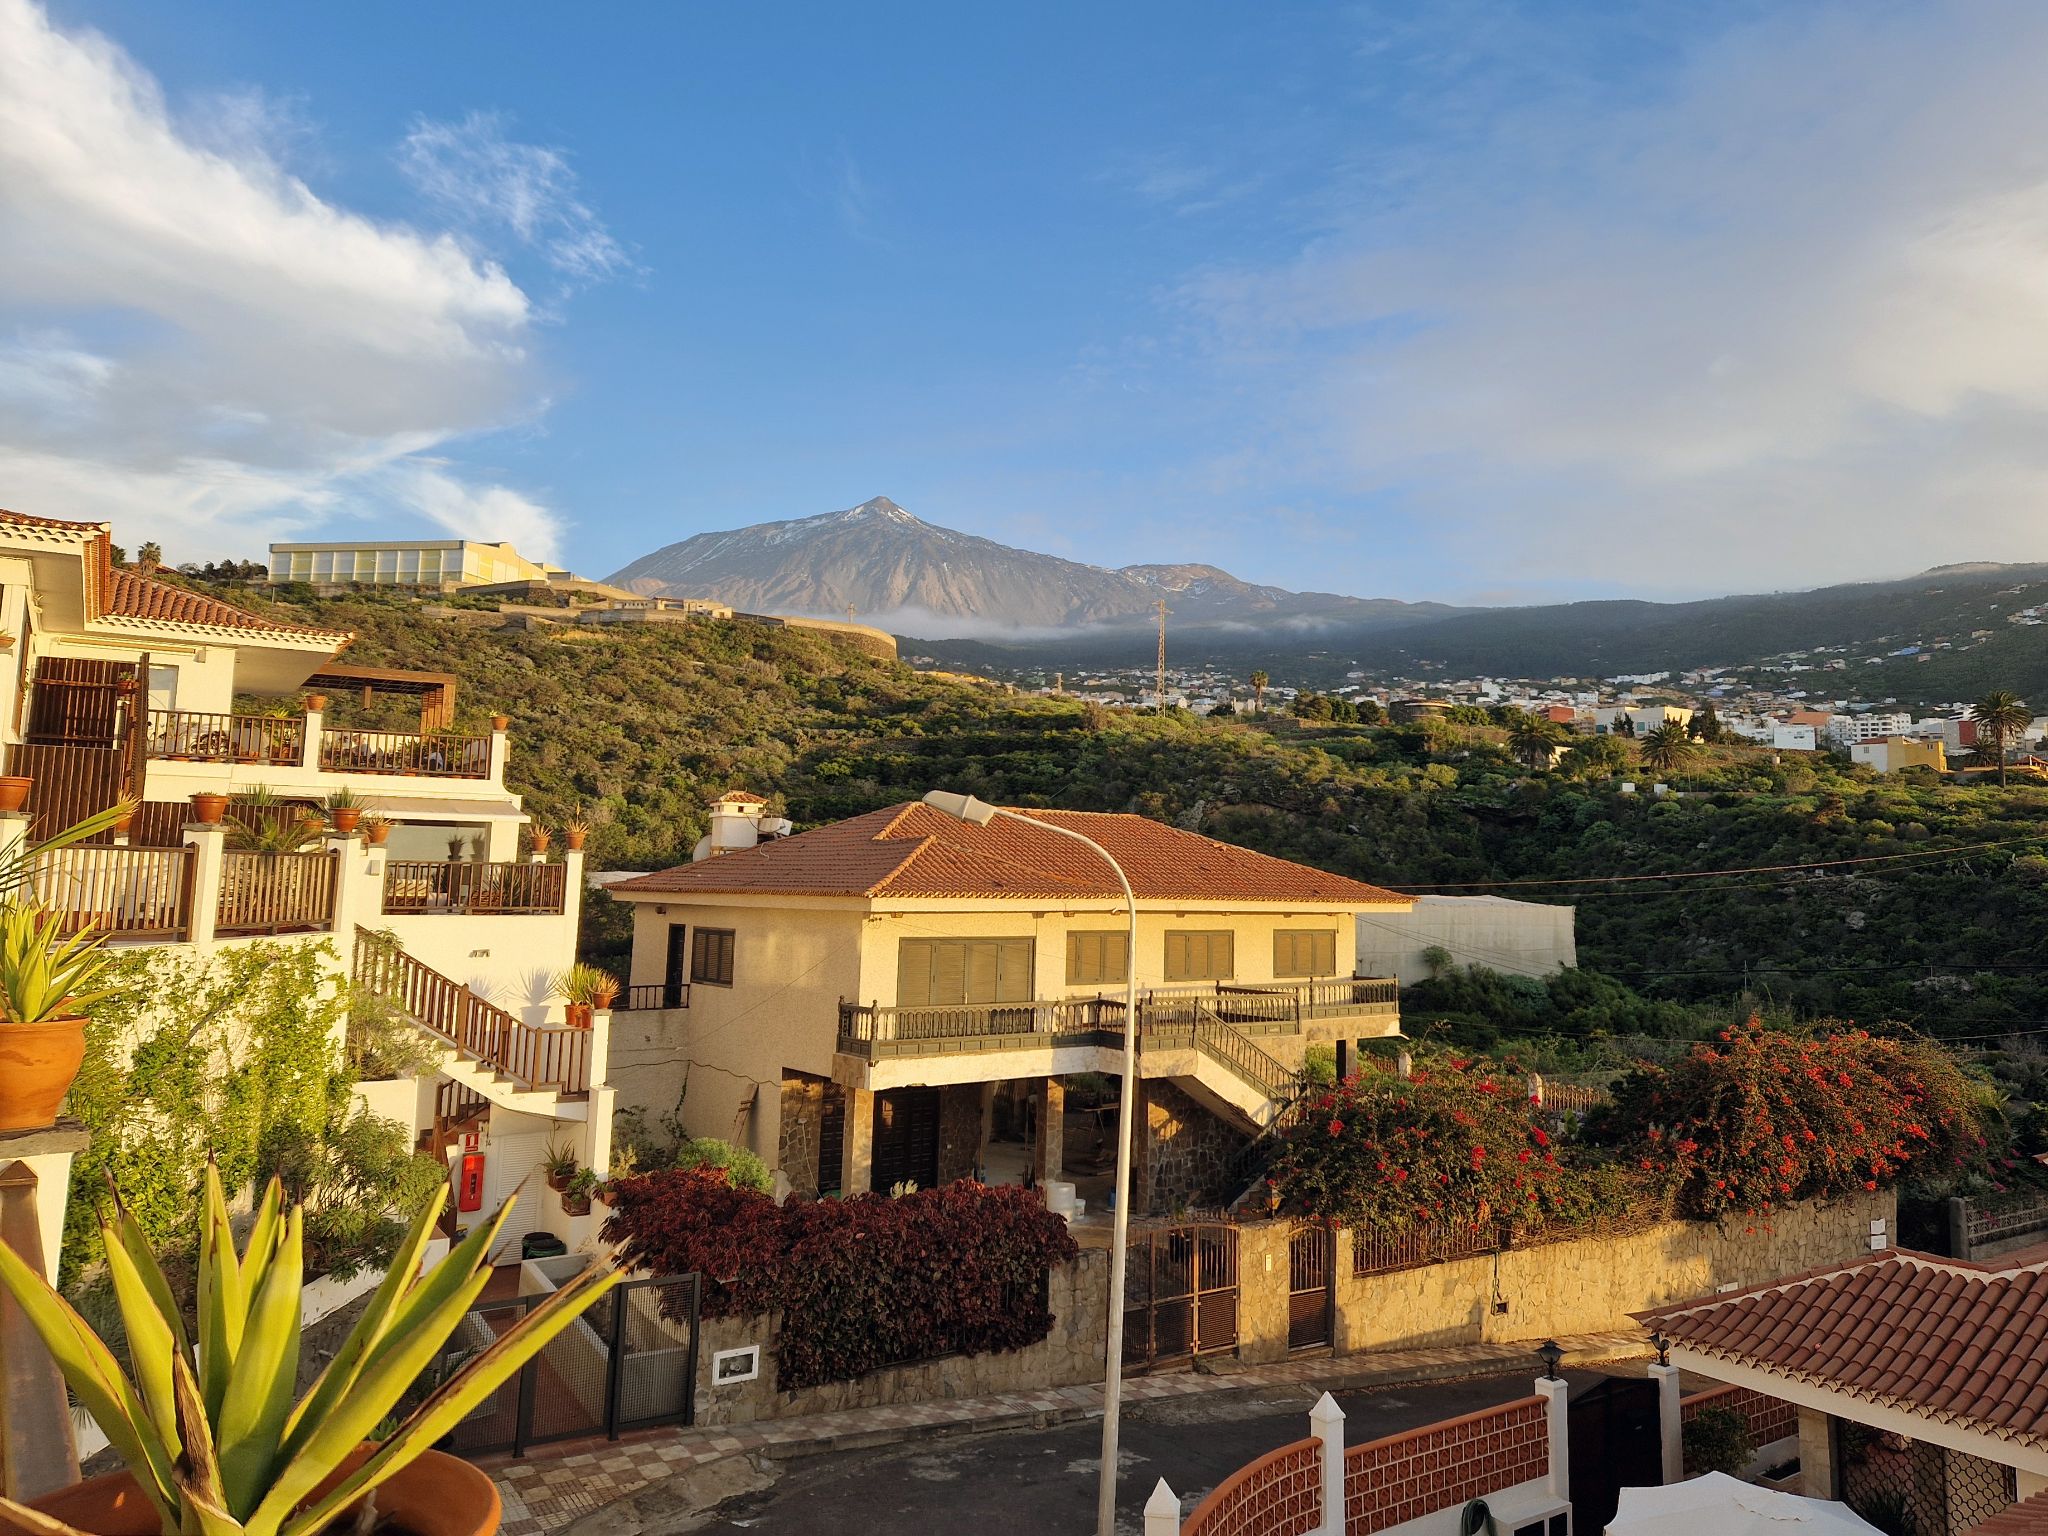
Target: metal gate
(1311,1293)
(628,1362)
(1615,1443)
(1913,1488)
(1180,1294)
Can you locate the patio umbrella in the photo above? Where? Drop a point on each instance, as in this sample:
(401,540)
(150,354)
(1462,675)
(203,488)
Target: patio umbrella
(1719,1505)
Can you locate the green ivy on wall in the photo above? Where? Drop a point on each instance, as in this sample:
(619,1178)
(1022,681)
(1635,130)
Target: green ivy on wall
(239,1057)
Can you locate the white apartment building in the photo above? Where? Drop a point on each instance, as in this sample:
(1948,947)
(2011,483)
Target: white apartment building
(1847,730)
(117,685)
(434,565)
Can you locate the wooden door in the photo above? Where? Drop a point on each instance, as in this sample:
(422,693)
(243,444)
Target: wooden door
(906,1144)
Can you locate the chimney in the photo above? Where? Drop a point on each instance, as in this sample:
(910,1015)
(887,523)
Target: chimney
(736,823)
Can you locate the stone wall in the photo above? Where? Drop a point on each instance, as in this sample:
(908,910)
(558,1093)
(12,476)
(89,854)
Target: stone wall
(959,1130)
(1590,1285)
(1070,1355)
(803,1111)
(1188,1150)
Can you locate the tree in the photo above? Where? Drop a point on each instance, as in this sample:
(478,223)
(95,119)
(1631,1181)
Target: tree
(1667,748)
(1533,740)
(1259,680)
(1597,757)
(149,557)
(2000,716)
(1706,726)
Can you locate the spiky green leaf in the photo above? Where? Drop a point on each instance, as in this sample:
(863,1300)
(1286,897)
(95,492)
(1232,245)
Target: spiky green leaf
(251,1420)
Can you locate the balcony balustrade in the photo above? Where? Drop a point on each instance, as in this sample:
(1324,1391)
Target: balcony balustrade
(455,888)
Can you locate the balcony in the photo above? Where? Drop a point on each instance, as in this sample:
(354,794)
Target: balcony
(188,735)
(417,754)
(1167,1016)
(653,997)
(146,894)
(453,888)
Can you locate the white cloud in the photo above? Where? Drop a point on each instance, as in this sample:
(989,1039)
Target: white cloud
(213,354)
(476,173)
(1783,314)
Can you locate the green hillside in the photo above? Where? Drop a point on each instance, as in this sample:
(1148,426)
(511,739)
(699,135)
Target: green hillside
(642,726)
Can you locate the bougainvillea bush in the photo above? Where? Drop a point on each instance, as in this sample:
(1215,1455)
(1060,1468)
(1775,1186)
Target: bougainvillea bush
(1761,1117)
(861,1283)
(1456,1143)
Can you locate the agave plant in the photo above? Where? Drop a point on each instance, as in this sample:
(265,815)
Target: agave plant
(205,1420)
(586,984)
(44,975)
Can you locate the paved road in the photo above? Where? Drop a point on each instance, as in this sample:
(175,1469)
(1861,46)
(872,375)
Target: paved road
(1043,1480)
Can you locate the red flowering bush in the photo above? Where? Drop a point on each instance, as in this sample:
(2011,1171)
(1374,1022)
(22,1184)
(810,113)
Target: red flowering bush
(1761,1118)
(861,1283)
(1457,1143)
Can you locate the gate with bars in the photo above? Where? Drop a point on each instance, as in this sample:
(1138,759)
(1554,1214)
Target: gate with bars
(628,1363)
(1311,1285)
(1912,1488)
(1180,1294)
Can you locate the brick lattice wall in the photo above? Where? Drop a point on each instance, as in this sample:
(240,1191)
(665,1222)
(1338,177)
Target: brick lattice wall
(1405,1477)
(1770,1418)
(1280,1494)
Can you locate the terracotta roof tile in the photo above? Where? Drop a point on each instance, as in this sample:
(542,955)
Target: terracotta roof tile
(1953,1342)
(23,520)
(2029,1517)
(912,851)
(133,596)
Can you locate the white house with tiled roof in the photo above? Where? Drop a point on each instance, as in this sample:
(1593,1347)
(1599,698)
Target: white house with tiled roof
(117,684)
(1921,1382)
(895,996)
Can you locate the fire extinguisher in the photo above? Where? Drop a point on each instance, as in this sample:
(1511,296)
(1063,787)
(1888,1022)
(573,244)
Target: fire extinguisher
(469,1182)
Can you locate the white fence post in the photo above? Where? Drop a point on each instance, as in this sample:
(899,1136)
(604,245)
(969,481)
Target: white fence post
(210,838)
(1670,1421)
(1556,1416)
(1326,1423)
(1162,1512)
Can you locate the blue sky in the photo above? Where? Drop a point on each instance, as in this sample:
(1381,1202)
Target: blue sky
(1474,301)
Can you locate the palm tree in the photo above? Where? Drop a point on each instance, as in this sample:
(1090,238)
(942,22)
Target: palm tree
(2000,716)
(1259,680)
(1667,748)
(1533,740)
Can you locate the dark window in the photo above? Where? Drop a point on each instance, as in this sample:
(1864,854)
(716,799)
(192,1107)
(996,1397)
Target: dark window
(677,974)
(1200,956)
(711,956)
(906,1139)
(1096,958)
(1304,952)
(832,1141)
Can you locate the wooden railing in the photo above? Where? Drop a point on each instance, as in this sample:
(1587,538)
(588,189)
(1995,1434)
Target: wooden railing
(276,892)
(869,1024)
(653,995)
(71,783)
(536,1057)
(452,887)
(439,755)
(195,735)
(122,893)
(1236,1050)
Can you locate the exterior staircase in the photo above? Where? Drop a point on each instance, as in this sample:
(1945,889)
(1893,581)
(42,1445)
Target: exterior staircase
(1232,1074)
(483,1049)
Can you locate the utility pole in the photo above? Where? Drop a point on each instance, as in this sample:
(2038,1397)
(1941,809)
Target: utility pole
(1160,697)
(849,613)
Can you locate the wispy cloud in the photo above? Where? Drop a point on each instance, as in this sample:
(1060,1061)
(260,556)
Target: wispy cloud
(473,171)
(1774,307)
(854,199)
(195,344)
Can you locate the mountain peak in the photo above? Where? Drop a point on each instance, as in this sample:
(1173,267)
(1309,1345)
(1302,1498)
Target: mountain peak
(877,507)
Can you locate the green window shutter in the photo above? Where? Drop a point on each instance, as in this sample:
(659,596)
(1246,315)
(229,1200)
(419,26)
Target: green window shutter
(1304,952)
(1200,956)
(947,973)
(914,973)
(1095,959)
(1177,946)
(1324,961)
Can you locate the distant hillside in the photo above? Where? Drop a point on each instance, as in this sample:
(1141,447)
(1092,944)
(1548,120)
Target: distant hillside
(893,569)
(1602,639)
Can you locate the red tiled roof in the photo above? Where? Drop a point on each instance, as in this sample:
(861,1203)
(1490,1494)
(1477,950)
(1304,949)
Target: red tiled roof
(913,851)
(1957,1343)
(23,520)
(2029,1517)
(133,596)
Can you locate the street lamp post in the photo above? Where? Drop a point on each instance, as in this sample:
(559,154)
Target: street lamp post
(980,813)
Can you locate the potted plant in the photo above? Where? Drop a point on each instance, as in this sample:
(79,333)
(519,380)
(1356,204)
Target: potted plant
(46,983)
(206,1422)
(316,703)
(208,808)
(540,837)
(583,985)
(14,790)
(575,833)
(501,722)
(558,1164)
(576,1195)
(376,829)
(344,809)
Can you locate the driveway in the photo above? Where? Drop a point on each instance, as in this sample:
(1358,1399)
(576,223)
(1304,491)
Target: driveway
(1032,1480)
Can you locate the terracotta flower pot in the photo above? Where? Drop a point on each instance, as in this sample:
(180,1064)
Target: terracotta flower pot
(14,792)
(559,1182)
(37,1065)
(575,838)
(316,703)
(576,1205)
(208,808)
(501,722)
(347,819)
(541,838)
(434,1496)
(123,825)
(380,834)
(577,1015)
